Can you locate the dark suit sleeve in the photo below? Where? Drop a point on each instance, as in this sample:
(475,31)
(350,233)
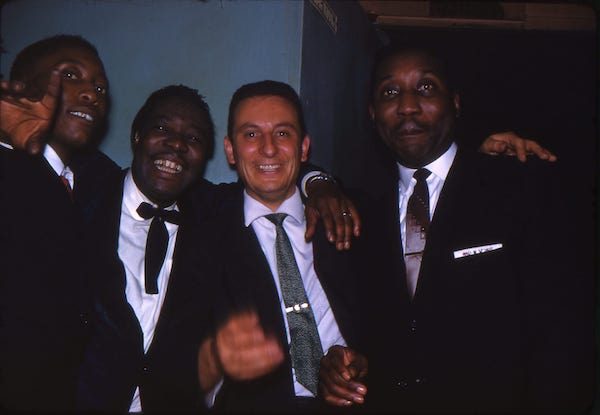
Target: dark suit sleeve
(557,278)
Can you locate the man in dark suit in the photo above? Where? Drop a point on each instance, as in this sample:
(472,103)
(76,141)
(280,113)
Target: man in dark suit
(145,323)
(245,361)
(41,332)
(478,302)
(79,115)
(146,327)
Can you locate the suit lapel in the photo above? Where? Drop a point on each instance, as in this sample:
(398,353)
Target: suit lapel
(445,223)
(249,283)
(339,275)
(389,223)
(111,278)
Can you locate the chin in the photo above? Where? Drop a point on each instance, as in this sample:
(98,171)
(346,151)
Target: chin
(77,142)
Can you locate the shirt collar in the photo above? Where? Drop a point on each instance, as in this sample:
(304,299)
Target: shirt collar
(439,167)
(292,206)
(54,160)
(133,196)
(6,145)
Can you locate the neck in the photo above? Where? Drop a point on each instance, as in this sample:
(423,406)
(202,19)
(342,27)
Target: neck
(65,154)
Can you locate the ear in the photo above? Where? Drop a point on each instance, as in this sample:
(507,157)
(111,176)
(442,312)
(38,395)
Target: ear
(229,150)
(305,147)
(372,112)
(456,101)
(136,139)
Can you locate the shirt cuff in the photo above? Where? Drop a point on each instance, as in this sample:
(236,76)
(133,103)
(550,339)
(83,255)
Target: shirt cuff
(306,178)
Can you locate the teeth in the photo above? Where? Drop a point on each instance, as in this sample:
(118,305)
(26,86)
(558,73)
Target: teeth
(268,167)
(168,166)
(83,115)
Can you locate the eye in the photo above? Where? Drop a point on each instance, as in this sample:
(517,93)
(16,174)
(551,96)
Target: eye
(283,133)
(388,92)
(101,89)
(159,128)
(196,138)
(426,87)
(250,134)
(69,74)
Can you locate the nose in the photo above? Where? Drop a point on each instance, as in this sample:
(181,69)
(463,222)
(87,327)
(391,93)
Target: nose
(268,147)
(89,94)
(177,142)
(408,104)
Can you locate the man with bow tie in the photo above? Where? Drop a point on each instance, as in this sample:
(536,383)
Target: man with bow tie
(144,306)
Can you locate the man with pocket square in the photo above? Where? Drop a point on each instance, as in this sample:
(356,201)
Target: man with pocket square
(481,300)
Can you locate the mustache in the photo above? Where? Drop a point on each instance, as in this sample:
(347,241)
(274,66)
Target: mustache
(409,126)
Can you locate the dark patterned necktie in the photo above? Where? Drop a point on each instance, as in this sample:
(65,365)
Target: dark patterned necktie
(305,345)
(157,242)
(417,223)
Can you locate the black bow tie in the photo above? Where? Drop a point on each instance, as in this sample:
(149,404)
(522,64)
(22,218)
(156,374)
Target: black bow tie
(147,211)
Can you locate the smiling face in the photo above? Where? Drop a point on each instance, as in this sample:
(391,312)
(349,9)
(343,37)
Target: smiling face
(170,149)
(82,106)
(413,108)
(267,148)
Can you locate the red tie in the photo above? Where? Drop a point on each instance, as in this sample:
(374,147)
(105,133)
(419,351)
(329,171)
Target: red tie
(67,185)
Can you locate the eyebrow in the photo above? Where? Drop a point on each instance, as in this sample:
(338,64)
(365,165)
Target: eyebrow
(79,63)
(281,124)
(422,73)
(195,125)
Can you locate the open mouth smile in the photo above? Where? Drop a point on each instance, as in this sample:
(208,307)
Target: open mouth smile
(168,166)
(268,167)
(82,115)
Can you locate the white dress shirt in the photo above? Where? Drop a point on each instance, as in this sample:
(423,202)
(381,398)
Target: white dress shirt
(439,169)
(133,232)
(58,166)
(295,227)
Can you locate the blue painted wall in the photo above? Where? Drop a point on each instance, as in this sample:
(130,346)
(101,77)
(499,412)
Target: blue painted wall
(335,83)
(214,46)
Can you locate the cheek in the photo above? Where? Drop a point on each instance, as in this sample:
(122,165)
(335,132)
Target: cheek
(437,112)
(102,104)
(196,160)
(69,92)
(385,116)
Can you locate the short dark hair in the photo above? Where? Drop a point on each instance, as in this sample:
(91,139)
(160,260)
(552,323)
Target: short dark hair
(265,88)
(28,57)
(446,71)
(175,91)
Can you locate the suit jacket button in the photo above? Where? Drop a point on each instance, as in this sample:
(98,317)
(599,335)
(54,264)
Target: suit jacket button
(402,383)
(145,369)
(413,326)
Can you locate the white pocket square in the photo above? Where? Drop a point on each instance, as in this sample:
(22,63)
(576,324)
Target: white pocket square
(476,250)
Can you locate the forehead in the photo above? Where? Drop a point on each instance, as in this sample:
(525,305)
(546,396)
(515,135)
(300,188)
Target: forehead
(266,109)
(75,54)
(410,62)
(178,107)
